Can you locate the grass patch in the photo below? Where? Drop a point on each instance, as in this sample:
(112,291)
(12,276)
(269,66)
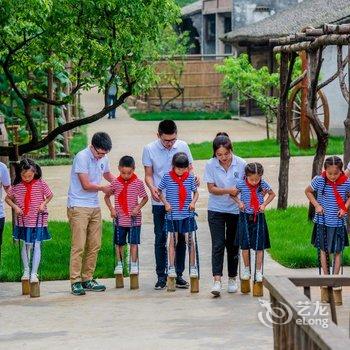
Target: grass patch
(264,148)
(55,254)
(178,115)
(76,144)
(291,242)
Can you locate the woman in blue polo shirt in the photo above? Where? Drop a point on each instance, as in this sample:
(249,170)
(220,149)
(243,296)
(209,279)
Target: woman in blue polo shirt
(222,172)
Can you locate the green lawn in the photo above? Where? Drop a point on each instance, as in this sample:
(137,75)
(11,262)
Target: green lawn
(77,143)
(55,254)
(290,235)
(263,148)
(178,115)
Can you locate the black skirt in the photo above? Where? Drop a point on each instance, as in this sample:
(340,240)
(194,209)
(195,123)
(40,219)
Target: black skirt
(332,239)
(253,235)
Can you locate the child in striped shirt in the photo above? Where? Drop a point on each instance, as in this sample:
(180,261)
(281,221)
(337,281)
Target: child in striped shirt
(28,197)
(180,200)
(332,190)
(252,228)
(127,190)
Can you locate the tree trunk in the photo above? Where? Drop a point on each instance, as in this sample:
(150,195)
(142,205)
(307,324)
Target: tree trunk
(50,113)
(313,71)
(283,177)
(347,125)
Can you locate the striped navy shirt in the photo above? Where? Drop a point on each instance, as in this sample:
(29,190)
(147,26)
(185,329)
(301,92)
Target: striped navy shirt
(172,195)
(245,194)
(326,198)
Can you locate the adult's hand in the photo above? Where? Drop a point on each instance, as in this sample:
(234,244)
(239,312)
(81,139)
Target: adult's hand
(197,180)
(155,194)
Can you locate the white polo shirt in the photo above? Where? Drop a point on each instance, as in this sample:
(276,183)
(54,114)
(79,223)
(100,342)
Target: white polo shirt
(85,163)
(158,157)
(216,174)
(4,181)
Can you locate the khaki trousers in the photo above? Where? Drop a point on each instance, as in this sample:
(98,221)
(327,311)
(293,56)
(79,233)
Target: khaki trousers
(85,224)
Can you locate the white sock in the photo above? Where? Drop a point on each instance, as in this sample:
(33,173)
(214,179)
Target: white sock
(25,254)
(36,257)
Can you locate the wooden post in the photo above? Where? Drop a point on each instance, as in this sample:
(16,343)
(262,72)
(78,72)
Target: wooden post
(50,112)
(25,287)
(245,286)
(304,121)
(134,281)
(35,290)
(283,177)
(171,284)
(119,281)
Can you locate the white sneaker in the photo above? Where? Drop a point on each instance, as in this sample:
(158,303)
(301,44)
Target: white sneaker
(216,289)
(193,272)
(232,285)
(245,273)
(25,275)
(172,272)
(259,276)
(34,278)
(118,269)
(134,269)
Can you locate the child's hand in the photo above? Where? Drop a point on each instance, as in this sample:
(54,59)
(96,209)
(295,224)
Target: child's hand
(192,206)
(42,207)
(18,210)
(135,211)
(262,207)
(319,209)
(241,206)
(168,207)
(113,213)
(342,213)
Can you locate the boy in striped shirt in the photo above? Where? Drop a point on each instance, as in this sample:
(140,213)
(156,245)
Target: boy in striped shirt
(180,200)
(127,190)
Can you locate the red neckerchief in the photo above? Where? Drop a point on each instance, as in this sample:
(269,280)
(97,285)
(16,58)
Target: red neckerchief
(182,190)
(27,197)
(254,201)
(340,180)
(123,195)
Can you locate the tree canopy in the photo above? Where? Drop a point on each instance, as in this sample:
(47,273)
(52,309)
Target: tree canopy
(83,43)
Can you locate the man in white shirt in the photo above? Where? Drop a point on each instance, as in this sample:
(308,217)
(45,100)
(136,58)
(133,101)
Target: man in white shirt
(156,158)
(84,213)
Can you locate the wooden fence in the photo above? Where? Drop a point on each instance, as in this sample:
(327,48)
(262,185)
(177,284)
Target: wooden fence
(200,81)
(308,335)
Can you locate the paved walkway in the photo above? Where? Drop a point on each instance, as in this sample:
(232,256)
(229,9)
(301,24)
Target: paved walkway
(145,318)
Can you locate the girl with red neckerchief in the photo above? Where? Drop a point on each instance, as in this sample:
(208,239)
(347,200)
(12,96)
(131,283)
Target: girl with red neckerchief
(329,194)
(180,201)
(127,189)
(255,195)
(28,197)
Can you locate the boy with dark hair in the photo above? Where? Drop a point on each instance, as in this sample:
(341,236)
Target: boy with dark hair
(127,190)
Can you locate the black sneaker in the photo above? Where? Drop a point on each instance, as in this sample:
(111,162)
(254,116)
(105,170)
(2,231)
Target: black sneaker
(93,286)
(181,283)
(161,284)
(77,289)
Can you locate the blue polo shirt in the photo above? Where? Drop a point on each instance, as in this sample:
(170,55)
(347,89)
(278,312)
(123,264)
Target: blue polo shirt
(216,174)
(85,163)
(326,198)
(158,157)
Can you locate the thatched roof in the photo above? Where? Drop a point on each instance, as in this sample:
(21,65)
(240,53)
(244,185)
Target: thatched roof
(192,8)
(312,13)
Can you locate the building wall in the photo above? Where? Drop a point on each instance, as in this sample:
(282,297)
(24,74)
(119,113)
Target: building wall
(337,105)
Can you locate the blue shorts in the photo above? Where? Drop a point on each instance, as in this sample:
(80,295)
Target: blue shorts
(133,234)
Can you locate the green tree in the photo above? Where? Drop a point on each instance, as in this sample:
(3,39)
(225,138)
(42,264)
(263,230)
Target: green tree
(247,82)
(80,42)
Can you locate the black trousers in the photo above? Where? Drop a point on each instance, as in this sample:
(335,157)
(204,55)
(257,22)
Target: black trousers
(223,230)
